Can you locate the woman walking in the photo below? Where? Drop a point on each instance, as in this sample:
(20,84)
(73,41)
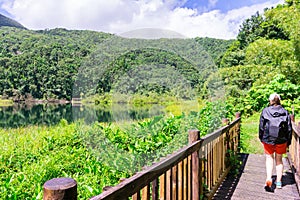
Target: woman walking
(275,131)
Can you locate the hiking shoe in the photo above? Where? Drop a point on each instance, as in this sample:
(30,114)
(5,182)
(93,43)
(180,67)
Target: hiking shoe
(278,185)
(268,186)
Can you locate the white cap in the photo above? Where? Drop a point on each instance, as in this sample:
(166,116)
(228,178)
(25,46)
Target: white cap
(272,96)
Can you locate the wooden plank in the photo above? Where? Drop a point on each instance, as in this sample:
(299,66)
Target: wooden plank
(201,170)
(155,189)
(180,181)
(297,155)
(185,179)
(195,176)
(214,153)
(162,187)
(169,184)
(206,169)
(210,167)
(189,179)
(174,183)
(194,135)
(146,193)
(136,196)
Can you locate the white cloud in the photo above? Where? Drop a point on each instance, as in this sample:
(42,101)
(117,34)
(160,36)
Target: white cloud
(88,14)
(212,3)
(118,16)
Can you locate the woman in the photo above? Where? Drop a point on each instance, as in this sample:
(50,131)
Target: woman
(275,131)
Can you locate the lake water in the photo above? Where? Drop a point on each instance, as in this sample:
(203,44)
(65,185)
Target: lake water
(50,114)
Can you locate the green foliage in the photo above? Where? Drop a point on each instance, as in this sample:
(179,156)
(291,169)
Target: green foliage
(42,64)
(250,30)
(31,156)
(257,97)
(214,47)
(267,45)
(95,156)
(233,58)
(139,66)
(269,52)
(238,79)
(250,142)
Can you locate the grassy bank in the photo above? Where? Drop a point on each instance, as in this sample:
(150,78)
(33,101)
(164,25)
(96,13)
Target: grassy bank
(249,135)
(94,155)
(30,156)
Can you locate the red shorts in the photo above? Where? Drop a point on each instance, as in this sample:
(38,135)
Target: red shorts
(278,148)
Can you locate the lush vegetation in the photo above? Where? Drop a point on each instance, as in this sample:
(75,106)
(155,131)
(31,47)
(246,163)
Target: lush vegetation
(264,59)
(249,135)
(44,65)
(61,64)
(94,155)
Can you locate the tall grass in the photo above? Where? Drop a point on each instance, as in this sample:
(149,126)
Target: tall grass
(249,135)
(94,155)
(30,156)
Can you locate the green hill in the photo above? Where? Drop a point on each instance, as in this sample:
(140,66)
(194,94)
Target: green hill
(58,63)
(5,21)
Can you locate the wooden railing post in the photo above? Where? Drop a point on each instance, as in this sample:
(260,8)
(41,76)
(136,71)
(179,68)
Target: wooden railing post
(238,115)
(225,121)
(60,189)
(194,135)
(297,148)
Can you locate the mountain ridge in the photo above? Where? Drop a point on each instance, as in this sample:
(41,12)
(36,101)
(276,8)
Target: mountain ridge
(6,21)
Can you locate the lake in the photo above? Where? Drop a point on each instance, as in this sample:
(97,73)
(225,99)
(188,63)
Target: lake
(50,114)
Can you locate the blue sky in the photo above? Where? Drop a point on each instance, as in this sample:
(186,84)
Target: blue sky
(191,18)
(222,5)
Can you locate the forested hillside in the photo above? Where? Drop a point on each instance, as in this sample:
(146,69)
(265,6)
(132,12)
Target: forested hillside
(5,21)
(60,63)
(264,59)
(44,64)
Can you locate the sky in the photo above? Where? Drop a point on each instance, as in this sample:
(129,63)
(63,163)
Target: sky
(190,18)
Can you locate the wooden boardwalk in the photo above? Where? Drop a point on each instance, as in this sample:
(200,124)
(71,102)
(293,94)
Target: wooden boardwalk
(249,184)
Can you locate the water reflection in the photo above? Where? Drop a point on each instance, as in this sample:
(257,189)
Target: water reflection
(50,114)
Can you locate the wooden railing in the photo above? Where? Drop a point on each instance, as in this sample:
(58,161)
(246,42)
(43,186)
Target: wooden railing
(294,151)
(192,173)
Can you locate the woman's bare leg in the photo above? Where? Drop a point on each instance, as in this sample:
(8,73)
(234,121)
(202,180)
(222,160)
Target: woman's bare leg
(279,166)
(269,165)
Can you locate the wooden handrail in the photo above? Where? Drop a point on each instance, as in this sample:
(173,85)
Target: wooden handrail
(294,152)
(136,182)
(193,171)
